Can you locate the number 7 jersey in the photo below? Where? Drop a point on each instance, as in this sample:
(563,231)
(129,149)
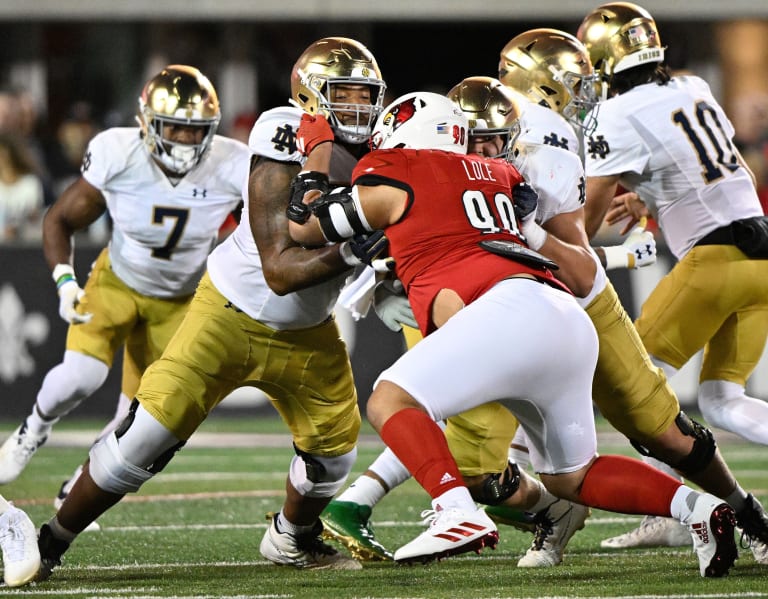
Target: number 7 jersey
(162,233)
(673,145)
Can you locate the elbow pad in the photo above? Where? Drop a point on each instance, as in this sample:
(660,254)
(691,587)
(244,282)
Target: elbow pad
(340,215)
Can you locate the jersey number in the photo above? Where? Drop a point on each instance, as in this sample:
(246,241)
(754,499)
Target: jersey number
(481,215)
(718,141)
(180,216)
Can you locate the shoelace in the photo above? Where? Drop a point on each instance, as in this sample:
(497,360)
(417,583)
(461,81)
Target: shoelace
(428,517)
(314,546)
(12,540)
(544,528)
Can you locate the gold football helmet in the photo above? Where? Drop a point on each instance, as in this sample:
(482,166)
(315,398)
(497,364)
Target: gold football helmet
(338,61)
(491,109)
(178,95)
(551,68)
(619,36)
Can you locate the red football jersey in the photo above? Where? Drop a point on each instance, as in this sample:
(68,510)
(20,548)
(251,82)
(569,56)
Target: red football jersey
(454,202)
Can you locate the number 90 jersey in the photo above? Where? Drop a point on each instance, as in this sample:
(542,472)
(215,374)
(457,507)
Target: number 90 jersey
(454,202)
(162,233)
(672,145)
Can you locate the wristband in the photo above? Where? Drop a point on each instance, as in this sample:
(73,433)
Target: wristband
(534,234)
(62,273)
(346,253)
(616,256)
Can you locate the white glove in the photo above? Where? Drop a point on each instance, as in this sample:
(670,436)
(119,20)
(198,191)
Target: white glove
(637,251)
(70,294)
(392,306)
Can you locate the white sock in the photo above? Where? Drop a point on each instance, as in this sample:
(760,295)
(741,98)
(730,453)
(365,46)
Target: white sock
(726,405)
(458,498)
(682,503)
(285,525)
(37,425)
(364,491)
(546,498)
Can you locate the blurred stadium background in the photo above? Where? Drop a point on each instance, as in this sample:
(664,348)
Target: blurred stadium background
(69,68)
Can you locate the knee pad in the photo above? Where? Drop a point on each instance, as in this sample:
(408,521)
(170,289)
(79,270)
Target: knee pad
(140,448)
(497,488)
(317,476)
(702,452)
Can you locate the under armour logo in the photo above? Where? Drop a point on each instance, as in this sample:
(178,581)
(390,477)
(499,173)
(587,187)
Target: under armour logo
(86,162)
(553,140)
(640,252)
(598,147)
(285,139)
(201,192)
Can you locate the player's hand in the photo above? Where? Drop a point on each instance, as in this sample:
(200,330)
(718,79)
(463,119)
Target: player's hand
(637,251)
(628,206)
(392,306)
(70,294)
(364,249)
(305,187)
(525,200)
(313,131)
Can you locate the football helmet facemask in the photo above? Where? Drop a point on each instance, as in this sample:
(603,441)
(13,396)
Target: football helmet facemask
(335,61)
(491,109)
(551,68)
(619,36)
(422,121)
(179,95)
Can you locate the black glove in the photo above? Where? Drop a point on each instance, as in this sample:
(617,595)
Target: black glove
(301,185)
(525,200)
(364,248)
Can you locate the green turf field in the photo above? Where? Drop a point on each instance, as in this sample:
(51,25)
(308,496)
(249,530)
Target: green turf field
(194,531)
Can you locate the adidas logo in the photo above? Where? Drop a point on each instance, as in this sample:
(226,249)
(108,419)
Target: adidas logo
(701,530)
(447,478)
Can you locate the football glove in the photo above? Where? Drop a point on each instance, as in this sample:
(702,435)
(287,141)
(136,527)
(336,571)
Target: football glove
(392,306)
(637,251)
(365,249)
(302,184)
(70,295)
(313,131)
(525,200)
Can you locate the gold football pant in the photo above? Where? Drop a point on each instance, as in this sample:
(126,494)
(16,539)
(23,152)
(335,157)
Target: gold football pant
(122,316)
(217,348)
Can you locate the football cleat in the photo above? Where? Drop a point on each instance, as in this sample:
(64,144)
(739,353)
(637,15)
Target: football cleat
(451,532)
(16,452)
(349,524)
(654,531)
(51,550)
(711,525)
(753,520)
(509,516)
(555,526)
(18,539)
(303,551)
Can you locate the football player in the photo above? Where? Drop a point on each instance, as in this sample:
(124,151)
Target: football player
(463,236)
(167,186)
(261,316)
(668,140)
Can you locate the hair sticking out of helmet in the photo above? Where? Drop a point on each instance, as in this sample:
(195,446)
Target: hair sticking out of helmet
(178,96)
(552,68)
(491,109)
(620,36)
(334,63)
(422,121)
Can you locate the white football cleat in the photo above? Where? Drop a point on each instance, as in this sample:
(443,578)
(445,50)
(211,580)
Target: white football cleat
(451,532)
(555,525)
(303,551)
(654,531)
(711,525)
(16,452)
(18,538)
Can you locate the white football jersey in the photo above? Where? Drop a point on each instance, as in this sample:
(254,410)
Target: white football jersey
(162,233)
(235,265)
(548,158)
(673,145)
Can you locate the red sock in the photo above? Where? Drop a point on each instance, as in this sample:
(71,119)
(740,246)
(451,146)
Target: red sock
(629,486)
(421,446)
